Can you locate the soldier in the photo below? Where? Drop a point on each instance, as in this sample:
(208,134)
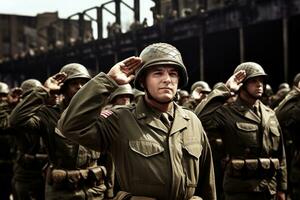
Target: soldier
(283,89)
(183,97)
(288,114)
(255,165)
(199,91)
(160,150)
(122,96)
(73,172)
(31,157)
(8,99)
(267,96)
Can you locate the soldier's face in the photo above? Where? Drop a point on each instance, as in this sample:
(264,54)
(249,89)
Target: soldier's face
(255,86)
(162,82)
(73,86)
(3,97)
(122,99)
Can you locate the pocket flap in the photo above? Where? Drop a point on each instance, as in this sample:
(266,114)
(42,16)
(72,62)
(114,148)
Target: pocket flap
(251,164)
(246,126)
(275,130)
(145,148)
(275,163)
(265,163)
(237,164)
(194,149)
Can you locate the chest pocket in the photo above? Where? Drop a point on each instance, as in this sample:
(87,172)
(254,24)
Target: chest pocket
(274,135)
(192,150)
(247,133)
(145,148)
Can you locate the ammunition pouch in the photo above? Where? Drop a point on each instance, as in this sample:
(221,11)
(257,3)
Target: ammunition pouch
(77,178)
(97,174)
(29,161)
(253,168)
(122,195)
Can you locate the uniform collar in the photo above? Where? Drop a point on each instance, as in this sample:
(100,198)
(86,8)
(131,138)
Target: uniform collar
(245,110)
(152,117)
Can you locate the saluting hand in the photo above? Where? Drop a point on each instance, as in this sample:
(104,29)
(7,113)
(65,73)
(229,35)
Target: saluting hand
(235,81)
(123,72)
(54,83)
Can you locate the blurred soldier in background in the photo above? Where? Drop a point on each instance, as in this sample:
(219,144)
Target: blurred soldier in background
(31,157)
(283,89)
(8,100)
(288,114)
(160,150)
(267,96)
(199,91)
(183,97)
(122,95)
(73,172)
(255,157)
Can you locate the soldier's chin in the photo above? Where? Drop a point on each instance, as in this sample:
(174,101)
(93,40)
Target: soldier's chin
(166,99)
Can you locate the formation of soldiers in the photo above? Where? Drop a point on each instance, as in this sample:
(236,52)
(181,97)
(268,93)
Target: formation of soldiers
(78,137)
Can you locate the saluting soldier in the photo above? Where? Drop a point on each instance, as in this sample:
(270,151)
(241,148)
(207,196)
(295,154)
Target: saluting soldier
(159,149)
(288,113)
(73,172)
(28,181)
(256,164)
(8,100)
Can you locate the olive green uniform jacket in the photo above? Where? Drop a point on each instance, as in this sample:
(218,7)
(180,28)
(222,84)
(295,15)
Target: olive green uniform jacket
(150,159)
(7,151)
(36,117)
(245,136)
(288,113)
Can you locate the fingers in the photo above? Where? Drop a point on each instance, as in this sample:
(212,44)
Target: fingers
(130,64)
(239,76)
(131,60)
(60,77)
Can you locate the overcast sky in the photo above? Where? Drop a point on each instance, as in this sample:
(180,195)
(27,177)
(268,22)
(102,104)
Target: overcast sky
(66,8)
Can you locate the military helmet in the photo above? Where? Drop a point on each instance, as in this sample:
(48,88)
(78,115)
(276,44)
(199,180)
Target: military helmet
(121,90)
(218,84)
(202,84)
(252,70)
(296,80)
(4,88)
(161,54)
(284,86)
(75,70)
(269,91)
(30,84)
(137,93)
(183,93)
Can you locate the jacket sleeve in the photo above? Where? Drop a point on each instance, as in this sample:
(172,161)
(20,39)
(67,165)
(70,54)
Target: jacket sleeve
(206,188)
(4,114)
(23,114)
(81,121)
(207,109)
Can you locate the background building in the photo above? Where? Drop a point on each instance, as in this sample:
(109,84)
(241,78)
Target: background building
(214,38)
(20,35)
